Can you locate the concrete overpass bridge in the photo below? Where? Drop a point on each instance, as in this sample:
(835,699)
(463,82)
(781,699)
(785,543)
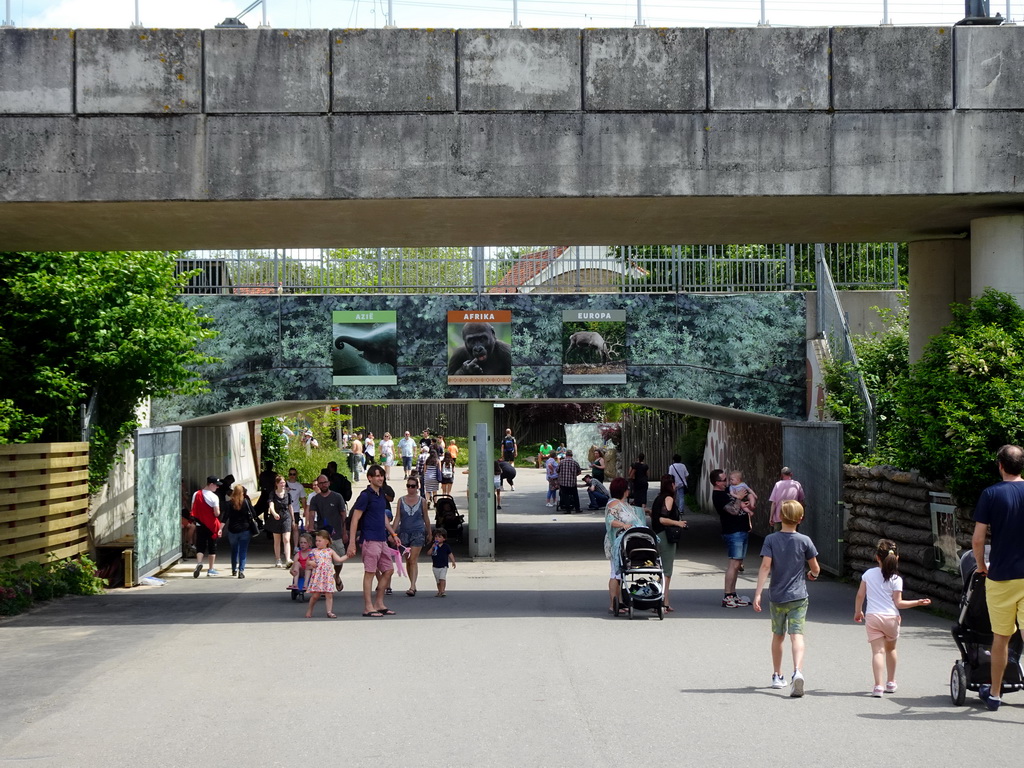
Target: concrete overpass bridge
(244,138)
(128,139)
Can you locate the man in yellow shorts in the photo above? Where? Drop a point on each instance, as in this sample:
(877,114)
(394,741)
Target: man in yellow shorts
(1001,511)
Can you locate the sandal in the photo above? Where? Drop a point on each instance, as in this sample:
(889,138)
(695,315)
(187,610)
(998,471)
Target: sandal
(331,615)
(410,592)
(373,615)
(386,612)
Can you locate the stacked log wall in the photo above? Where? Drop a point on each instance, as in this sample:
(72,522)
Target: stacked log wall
(886,502)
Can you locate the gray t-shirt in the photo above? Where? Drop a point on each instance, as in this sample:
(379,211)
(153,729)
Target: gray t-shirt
(789,553)
(330,511)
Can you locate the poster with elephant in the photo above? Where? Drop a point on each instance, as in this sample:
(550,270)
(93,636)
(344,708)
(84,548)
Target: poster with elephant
(364,347)
(479,351)
(594,346)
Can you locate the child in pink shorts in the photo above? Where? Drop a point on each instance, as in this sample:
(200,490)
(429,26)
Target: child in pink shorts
(883,588)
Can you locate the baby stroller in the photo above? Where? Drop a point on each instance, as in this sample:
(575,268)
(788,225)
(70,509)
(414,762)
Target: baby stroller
(446,515)
(643,580)
(973,636)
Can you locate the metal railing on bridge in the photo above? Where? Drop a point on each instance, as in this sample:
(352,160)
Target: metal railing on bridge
(544,269)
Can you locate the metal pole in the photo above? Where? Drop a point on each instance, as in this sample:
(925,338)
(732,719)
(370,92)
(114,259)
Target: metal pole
(885,12)
(764,20)
(639,13)
(9,22)
(515,14)
(391,14)
(264,6)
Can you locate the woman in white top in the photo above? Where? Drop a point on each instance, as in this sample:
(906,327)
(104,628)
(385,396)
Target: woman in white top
(883,589)
(387,454)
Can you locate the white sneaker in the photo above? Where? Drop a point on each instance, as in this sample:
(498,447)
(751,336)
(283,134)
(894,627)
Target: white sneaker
(891,686)
(798,685)
(212,572)
(778,681)
(549,504)
(741,600)
(278,564)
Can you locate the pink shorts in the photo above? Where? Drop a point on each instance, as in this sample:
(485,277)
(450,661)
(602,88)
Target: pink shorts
(882,626)
(377,557)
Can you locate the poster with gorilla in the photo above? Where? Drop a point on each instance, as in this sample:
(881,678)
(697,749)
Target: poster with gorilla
(478,347)
(364,347)
(594,346)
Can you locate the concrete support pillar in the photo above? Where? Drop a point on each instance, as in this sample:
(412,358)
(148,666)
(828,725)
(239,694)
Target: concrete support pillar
(939,275)
(997,255)
(481,516)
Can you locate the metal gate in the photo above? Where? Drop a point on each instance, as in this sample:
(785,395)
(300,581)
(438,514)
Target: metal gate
(814,451)
(157,499)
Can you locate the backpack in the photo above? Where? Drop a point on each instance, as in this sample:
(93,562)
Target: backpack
(510,444)
(447,473)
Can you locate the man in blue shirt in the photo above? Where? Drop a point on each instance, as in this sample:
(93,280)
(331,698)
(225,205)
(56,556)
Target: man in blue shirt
(370,514)
(1001,511)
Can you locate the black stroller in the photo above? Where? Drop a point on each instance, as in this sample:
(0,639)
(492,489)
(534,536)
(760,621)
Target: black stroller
(973,636)
(446,515)
(643,580)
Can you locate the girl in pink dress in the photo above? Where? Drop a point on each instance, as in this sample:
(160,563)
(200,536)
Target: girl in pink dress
(320,573)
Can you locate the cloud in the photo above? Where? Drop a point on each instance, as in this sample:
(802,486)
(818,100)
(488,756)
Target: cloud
(180,14)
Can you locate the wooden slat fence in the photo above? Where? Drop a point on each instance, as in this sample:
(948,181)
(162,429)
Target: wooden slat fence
(44,500)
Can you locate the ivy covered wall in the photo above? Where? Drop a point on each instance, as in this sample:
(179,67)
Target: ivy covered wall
(742,351)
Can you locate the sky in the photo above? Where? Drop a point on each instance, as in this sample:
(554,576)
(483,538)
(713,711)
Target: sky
(469,14)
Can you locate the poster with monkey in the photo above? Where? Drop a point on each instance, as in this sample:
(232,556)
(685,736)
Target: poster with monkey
(479,351)
(594,346)
(364,347)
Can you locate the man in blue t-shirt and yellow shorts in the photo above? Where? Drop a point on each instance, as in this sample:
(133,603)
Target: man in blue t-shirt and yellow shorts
(1000,510)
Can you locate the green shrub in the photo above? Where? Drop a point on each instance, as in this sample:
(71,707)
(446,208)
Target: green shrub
(964,397)
(22,584)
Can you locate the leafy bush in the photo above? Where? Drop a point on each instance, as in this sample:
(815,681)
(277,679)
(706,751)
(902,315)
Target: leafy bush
(884,358)
(21,584)
(274,443)
(964,397)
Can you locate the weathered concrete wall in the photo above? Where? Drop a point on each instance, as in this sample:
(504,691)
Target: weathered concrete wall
(989,63)
(686,125)
(783,68)
(267,71)
(901,68)
(131,71)
(519,69)
(36,71)
(645,70)
(376,70)
(126,71)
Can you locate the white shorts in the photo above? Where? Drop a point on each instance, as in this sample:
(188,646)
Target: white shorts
(441,574)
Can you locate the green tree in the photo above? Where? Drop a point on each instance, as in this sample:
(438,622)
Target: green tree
(107,326)
(274,445)
(884,362)
(964,397)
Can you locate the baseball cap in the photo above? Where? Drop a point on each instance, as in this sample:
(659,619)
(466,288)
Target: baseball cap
(213,480)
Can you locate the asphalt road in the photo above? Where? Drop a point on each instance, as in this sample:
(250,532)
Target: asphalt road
(519,666)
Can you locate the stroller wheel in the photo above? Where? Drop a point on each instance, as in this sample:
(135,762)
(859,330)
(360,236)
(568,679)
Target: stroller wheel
(958,684)
(630,610)
(615,606)
(661,613)
(295,594)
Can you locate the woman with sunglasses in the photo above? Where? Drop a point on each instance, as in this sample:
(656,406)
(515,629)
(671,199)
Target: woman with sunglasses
(413,526)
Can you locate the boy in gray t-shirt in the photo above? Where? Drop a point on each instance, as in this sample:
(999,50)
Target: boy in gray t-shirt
(783,555)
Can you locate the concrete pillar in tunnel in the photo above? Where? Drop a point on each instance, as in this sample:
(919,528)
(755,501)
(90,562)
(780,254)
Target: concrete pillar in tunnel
(940,274)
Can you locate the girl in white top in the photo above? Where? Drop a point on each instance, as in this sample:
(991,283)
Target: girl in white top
(883,588)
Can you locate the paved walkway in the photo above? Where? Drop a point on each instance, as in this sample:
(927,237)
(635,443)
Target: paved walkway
(519,666)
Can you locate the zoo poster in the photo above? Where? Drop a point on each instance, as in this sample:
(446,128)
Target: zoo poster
(593,346)
(364,347)
(479,348)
